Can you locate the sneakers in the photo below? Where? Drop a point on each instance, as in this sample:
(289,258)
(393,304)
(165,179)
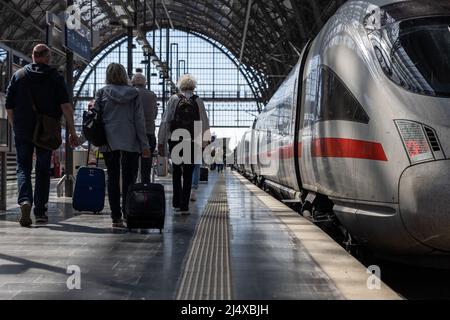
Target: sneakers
(193,195)
(42,219)
(184,212)
(25,217)
(118,223)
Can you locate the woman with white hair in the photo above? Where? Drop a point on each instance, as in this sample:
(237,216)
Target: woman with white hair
(183,110)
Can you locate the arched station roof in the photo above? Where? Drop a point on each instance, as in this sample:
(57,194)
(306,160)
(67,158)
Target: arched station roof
(276,30)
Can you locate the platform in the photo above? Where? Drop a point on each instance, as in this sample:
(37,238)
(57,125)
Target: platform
(238,243)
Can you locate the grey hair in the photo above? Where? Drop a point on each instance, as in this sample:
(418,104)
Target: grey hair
(186,82)
(139,79)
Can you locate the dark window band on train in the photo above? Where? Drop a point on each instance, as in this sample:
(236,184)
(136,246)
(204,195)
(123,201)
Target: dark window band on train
(412,46)
(417,8)
(336,100)
(415,54)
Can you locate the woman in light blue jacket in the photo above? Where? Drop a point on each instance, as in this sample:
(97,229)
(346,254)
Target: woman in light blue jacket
(124,120)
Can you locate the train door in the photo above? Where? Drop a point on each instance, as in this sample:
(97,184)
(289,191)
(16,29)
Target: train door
(286,107)
(298,112)
(307,120)
(247,166)
(254,152)
(268,142)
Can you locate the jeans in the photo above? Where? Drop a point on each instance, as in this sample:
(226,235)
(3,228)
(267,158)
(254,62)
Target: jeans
(196,176)
(129,162)
(146,164)
(25,152)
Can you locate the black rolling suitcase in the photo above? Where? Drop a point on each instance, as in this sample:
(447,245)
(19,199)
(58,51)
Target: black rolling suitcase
(146,206)
(204,174)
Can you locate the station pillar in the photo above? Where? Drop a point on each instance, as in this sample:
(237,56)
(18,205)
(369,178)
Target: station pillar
(130,52)
(2,181)
(68,187)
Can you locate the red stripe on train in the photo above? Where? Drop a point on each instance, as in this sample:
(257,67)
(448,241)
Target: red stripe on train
(347,148)
(335,148)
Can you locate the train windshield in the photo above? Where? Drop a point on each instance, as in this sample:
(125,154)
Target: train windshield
(415,53)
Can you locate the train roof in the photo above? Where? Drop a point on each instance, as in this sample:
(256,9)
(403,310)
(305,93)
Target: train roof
(382,3)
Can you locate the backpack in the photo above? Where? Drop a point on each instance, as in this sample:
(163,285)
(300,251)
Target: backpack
(186,113)
(94,127)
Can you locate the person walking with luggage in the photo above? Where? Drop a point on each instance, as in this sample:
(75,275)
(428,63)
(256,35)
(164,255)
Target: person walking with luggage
(36,99)
(220,161)
(197,172)
(149,103)
(183,110)
(195,181)
(124,121)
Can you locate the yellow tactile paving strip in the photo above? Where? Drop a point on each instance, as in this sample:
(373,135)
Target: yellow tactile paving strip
(207,273)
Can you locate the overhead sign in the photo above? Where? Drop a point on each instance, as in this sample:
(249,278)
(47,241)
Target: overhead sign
(63,34)
(78,43)
(55,32)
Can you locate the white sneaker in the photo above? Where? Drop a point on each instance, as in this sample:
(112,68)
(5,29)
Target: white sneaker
(193,195)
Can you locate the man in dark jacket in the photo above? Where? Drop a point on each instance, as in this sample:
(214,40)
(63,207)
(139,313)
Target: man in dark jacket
(46,88)
(149,104)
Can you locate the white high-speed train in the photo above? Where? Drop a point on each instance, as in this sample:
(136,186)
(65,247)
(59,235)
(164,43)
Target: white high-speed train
(361,127)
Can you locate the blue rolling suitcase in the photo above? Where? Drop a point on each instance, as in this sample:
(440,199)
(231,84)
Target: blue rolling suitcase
(89,194)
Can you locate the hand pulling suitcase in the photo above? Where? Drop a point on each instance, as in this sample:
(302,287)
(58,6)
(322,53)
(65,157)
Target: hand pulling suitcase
(204,174)
(146,206)
(89,194)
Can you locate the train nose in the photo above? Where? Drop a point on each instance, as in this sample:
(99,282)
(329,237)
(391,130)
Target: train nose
(424,196)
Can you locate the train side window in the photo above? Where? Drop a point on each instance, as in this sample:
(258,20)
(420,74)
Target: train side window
(336,100)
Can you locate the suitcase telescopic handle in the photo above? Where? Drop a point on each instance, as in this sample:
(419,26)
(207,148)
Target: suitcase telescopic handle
(152,168)
(88,153)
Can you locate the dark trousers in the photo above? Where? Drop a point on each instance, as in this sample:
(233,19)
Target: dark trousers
(25,152)
(146,163)
(182,184)
(182,179)
(129,162)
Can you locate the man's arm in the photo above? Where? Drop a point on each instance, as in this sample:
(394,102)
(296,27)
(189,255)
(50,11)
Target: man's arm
(10,116)
(9,100)
(68,115)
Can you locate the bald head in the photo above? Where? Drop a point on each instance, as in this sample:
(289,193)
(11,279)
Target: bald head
(41,54)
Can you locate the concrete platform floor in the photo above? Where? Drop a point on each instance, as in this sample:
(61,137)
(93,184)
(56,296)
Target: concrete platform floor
(238,243)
